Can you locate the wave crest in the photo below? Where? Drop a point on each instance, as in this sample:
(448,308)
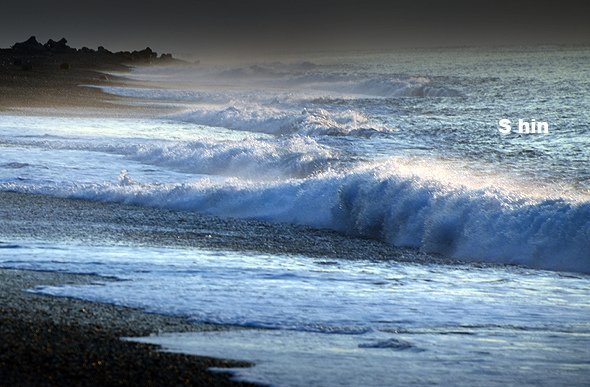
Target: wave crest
(469,224)
(256,118)
(252,158)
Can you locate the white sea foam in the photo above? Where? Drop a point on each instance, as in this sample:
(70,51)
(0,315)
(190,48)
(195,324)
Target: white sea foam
(273,120)
(252,158)
(391,87)
(163,94)
(272,81)
(315,144)
(343,322)
(305,143)
(484,224)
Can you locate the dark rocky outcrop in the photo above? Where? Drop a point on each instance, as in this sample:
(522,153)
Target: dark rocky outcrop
(60,46)
(86,50)
(145,55)
(103,51)
(30,45)
(60,54)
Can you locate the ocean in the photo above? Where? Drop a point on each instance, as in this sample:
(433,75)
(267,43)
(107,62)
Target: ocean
(488,283)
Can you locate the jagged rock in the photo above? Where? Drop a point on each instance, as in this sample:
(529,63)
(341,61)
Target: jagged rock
(30,45)
(102,50)
(86,50)
(62,55)
(146,55)
(61,46)
(50,44)
(125,55)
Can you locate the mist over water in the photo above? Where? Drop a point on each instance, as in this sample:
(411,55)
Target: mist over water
(402,147)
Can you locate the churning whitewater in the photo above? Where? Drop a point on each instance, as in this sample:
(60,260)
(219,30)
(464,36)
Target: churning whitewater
(393,161)
(368,147)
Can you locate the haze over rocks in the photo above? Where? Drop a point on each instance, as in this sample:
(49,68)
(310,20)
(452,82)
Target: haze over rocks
(29,53)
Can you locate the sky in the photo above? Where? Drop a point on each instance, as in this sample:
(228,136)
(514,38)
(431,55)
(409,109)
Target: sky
(219,25)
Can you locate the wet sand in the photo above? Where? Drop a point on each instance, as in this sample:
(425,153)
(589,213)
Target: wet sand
(50,341)
(59,341)
(44,218)
(47,89)
(45,85)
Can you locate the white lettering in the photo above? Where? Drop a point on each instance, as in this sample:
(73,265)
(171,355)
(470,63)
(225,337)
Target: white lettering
(505,127)
(523,126)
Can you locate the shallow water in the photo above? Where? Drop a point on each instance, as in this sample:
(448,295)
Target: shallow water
(345,322)
(491,356)
(400,148)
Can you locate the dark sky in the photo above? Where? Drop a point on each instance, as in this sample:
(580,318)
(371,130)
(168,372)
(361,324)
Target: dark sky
(199,26)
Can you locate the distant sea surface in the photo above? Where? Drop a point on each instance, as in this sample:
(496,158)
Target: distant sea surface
(403,148)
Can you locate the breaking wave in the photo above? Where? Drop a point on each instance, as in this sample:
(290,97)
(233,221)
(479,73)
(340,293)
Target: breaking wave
(272,120)
(393,88)
(289,157)
(485,224)
(270,79)
(162,94)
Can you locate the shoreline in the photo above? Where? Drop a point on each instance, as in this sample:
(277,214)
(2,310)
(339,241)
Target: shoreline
(46,87)
(25,218)
(463,321)
(78,93)
(62,341)
(33,77)
(56,341)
